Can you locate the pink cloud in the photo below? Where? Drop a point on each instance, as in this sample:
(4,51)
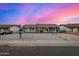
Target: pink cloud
(56,15)
(22,20)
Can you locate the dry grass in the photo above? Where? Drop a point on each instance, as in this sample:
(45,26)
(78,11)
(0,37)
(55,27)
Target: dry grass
(73,33)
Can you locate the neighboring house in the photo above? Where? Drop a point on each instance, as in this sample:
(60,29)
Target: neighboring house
(73,27)
(6,27)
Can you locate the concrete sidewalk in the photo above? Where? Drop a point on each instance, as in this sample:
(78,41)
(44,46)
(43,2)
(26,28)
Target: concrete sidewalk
(38,43)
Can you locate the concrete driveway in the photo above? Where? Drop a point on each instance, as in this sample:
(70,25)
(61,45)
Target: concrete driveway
(40,39)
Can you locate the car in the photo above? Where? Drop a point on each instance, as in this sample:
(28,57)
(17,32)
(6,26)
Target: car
(5,32)
(2,33)
(8,32)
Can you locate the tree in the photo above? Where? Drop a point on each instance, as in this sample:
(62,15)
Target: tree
(64,29)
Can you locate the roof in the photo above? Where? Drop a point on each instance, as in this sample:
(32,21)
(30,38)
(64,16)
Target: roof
(70,25)
(41,25)
(7,25)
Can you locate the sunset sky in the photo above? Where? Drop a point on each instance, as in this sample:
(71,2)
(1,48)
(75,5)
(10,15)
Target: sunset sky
(39,13)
